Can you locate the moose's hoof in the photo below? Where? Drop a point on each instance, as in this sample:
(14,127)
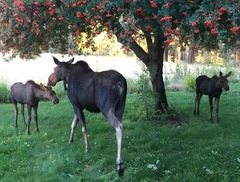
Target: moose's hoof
(87,150)
(120,169)
(70,141)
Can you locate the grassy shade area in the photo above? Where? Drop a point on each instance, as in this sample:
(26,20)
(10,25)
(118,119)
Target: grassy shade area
(197,151)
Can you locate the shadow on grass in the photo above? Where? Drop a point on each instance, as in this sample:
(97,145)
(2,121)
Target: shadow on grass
(171,118)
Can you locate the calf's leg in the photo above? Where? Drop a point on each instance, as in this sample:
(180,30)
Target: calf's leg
(16,114)
(194,108)
(36,117)
(197,103)
(211,107)
(199,97)
(29,119)
(217,107)
(23,116)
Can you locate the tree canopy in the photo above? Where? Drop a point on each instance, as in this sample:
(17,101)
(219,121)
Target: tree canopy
(30,27)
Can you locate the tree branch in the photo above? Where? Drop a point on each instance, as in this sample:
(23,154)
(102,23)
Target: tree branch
(118,30)
(148,40)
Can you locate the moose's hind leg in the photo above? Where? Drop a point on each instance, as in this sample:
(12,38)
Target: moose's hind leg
(29,119)
(197,103)
(118,126)
(217,108)
(23,116)
(80,116)
(16,114)
(210,107)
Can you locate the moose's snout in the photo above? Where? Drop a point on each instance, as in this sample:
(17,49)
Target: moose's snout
(226,88)
(52,80)
(55,101)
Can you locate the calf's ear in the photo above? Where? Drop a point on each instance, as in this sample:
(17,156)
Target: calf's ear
(227,75)
(56,61)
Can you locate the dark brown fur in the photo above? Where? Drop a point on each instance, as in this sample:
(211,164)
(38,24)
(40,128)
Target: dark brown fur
(103,92)
(213,88)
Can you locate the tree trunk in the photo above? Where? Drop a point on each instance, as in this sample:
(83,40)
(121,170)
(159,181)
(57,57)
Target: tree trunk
(158,85)
(182,54)
(153,59)
(191,55)
(165,55)
(156,72)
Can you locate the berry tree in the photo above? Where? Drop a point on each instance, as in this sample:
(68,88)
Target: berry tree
(31,27)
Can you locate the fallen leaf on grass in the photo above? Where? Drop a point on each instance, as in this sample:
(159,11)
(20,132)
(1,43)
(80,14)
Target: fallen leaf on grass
(153,167)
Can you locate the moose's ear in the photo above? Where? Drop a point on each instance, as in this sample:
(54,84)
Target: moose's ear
(42,86)
(71,60)
(56,61)
(227,75)
(220,74)
(48,87)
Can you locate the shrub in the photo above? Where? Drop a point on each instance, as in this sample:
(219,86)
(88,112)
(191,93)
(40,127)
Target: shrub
(146,93)
(189,82)
(4,92)
(132,86)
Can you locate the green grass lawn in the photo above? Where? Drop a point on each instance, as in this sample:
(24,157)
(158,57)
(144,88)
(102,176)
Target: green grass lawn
(198,151)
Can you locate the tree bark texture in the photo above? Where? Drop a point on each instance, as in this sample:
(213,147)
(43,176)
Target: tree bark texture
(158,83)
(153,59)
(154,62)
(191,55)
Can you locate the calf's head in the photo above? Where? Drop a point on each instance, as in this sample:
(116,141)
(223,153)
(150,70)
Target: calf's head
(60,70)
(49,93)
(224,81)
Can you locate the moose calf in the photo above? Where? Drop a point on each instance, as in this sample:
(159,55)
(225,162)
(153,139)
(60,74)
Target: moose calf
(213,88)
(30,94)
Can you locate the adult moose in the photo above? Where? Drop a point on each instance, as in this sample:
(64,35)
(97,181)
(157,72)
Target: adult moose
(30,93)
(213,88)
(96,92)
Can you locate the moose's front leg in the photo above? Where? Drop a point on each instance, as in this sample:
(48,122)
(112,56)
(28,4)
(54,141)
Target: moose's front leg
(29,119)
(36,117)
(73,126)
(211,107)
(16,114)
(23,115)
(217,107)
